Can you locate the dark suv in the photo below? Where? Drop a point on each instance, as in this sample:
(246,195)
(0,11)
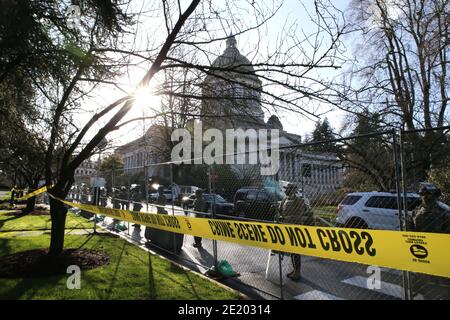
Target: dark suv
(257,203)
(222,207)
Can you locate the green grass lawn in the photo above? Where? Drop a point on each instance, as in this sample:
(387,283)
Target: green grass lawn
(325,211)
(30,222)
(131,274)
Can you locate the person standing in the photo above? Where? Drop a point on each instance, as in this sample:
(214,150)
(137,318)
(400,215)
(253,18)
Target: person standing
(116,204)
(103,197)
(199,208)
(124,199)
(431,217)
(13,195)
(293,210)
(136,200)
(161,202)
(84,194)
(77,193)
(115,198)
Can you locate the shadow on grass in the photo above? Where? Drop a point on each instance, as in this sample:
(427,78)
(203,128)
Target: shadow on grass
(151,279)
(5,247)
(174,270)
(30,286)
(2,222)
(114,278)
(89,237)
(188,276)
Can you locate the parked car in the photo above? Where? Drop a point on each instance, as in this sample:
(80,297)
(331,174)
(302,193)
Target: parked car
(373,210)
(222,207)
(257,203)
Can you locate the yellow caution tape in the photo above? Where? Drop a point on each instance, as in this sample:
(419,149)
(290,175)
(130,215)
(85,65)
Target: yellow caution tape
(411,251)
(34,193)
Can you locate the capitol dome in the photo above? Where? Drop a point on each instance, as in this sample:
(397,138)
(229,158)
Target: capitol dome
(232,79)
(231,58)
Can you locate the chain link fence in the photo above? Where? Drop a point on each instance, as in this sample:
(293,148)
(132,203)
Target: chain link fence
(425,157)
(356,182)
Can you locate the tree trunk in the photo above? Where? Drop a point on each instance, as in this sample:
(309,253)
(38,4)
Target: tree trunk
(30,204)
(58,213)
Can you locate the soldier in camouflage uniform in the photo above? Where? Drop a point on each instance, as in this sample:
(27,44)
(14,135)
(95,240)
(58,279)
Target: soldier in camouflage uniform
(430,216)
(293,210)
(124,198)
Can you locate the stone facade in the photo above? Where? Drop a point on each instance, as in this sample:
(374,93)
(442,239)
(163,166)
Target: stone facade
(85,172)
(238,105)
(141,154)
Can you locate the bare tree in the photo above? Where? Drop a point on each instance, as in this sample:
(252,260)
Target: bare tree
(287,71)
(399,69)
(402,61)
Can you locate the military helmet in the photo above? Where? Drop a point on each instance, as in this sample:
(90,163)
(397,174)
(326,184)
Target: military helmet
(429,188)
(290,188)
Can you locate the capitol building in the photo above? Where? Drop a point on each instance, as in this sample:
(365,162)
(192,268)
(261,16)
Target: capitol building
(232,100)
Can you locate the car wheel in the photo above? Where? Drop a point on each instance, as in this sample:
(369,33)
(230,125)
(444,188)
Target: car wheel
(240,213)
(356,223)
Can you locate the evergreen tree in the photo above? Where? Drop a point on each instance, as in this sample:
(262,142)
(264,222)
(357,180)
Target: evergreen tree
(323,132)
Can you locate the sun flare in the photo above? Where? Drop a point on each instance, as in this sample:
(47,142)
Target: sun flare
(145,98)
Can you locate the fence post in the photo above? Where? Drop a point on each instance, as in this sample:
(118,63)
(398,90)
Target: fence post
(128,198)
(173,209)
(96,203)
(146,186)
(408,294)
(212,190)
(113,192)
(280,266)
(401,213)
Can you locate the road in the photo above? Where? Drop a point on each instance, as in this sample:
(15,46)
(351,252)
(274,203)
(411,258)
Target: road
(322,279)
